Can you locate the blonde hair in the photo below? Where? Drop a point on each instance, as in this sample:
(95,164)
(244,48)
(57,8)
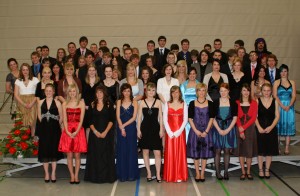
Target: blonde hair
(46,69)
(87,78)
(130,65)
(199,86)
(78,96)
(182,63)
(68,65)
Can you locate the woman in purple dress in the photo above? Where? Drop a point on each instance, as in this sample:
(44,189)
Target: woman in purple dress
(200,143)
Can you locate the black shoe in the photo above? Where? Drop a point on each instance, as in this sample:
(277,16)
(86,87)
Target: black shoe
(202,180)
(47,181)
(72,182)
(249,176)
(267,176)
(243,177)
(77,182)
(158,181)
(53,181)
(219,176)
(150,179)
(197,180)
(226,177)
(261,177)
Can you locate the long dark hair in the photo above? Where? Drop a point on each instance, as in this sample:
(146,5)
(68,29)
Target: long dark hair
(106,102)
(246,86)
(125,86)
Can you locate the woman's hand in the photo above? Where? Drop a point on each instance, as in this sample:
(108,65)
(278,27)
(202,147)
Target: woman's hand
(123,132)
(242,136)
(139,134)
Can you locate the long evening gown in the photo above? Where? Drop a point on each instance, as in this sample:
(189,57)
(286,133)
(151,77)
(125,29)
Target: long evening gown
(127,157)
(175,163)
(100,161)
(286,124)
(49,133)
(78,143)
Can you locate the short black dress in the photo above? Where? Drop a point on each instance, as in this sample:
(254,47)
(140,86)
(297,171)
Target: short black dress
(150,129)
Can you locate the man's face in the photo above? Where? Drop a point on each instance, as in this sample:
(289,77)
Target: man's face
(260,46)
(102,44)
(217,45)
(253,57)
(127,55)
(94,48)
(208,49)
(71,48)
(185,46)
(89,59)
(150,47)
(217,55)
(35,59)
(236,46)
(83,44)
(45,52)
(135,61)
(162,43)
(106,59)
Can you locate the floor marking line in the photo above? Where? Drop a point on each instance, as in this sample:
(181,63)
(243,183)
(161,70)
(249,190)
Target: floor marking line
(113,191)
(284,182)
(137,187)
(267,185)
(223,187)
(194,183)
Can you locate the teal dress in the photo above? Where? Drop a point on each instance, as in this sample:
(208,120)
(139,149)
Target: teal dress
(188,95)
(286,124)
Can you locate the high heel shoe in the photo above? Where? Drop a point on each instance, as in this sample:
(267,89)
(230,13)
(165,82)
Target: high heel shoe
(197,180)
(243,177)
(72,182)
(267,176)
(47,181)
(150,179)
(261,171)
(226,176)
(219,176)
(202,179)
(158,181)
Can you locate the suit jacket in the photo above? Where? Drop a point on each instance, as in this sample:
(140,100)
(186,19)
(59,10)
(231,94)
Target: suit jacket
(162,58)
(224,59)
(277,74)
(40,70)
(225,69)
(180,56)
(51,59)
(208,69)
(77,55)
(146,55)
(248,74)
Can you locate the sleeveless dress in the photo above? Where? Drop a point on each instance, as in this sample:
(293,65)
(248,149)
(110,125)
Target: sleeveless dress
(100,160)
(224,118)
(49,134)
(78,143)
(213,88)
(198,147)
(175,163)
(150,129)
(286,124)
(127,157)
(267,142)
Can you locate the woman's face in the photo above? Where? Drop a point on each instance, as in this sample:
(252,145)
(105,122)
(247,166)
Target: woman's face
(237,66)
(224,92)
(60,54)
(46,64)
(81,62)
(261,73)
(46,74)
(171,59)
(266,92)
(126,93)
(168,71)
(115,75)
(175,94)
(108,72)
(181,68)
(201,92)
(130,72)
(49,92)
(70,60)
(115,52)
(99,94)
(13,66)
(241,53)
(284,73)
(92,72)
(263,61)
(192,75)
(56,69)
(151,92)
(216,66)
(204,57)
(245,92)
(145,74)
(149,62)
(72,93)
(25,71)
(69,71)
(114,61)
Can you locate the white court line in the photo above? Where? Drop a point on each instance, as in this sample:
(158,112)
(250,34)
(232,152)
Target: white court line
(113,191)
(194,184)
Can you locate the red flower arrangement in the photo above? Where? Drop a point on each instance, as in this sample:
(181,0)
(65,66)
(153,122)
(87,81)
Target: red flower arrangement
(19,142)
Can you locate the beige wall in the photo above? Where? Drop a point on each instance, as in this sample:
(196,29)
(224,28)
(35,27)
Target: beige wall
(27,24)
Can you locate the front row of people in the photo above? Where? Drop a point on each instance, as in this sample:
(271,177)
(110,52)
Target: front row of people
(246,128)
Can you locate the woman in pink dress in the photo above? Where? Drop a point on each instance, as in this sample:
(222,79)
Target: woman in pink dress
(175,117)
(73,140)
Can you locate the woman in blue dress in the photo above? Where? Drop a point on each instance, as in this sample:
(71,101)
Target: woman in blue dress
(188,90)
(200,144)
(127,157)
(224,131)
(284,91)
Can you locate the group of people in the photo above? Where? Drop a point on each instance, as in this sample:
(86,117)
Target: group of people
(176,104)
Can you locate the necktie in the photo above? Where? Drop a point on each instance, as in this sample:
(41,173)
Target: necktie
(82,52)
(161,52)
(184,56)
(252,70)
(271,76)
(36,70)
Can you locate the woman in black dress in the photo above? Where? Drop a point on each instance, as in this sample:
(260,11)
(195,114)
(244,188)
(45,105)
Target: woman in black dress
(112,86)
(46,79)
(150,129)
(50,118)
(236,79)
(268,116)
(100,161)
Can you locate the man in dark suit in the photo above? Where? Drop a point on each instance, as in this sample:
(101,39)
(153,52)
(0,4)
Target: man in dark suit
(227,67)
(72,51)
(184,54)
(36,67)
(45,54)
(272,73)
(162,52)
(126,60)
(150,49)
(218,46)
(82,71)
(83,42)
(251,69)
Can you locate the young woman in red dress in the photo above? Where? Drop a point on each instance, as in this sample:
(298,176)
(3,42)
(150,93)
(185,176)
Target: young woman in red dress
(175,117)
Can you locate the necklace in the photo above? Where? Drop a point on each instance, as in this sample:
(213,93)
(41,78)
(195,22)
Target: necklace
(202,101)
(222,100)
